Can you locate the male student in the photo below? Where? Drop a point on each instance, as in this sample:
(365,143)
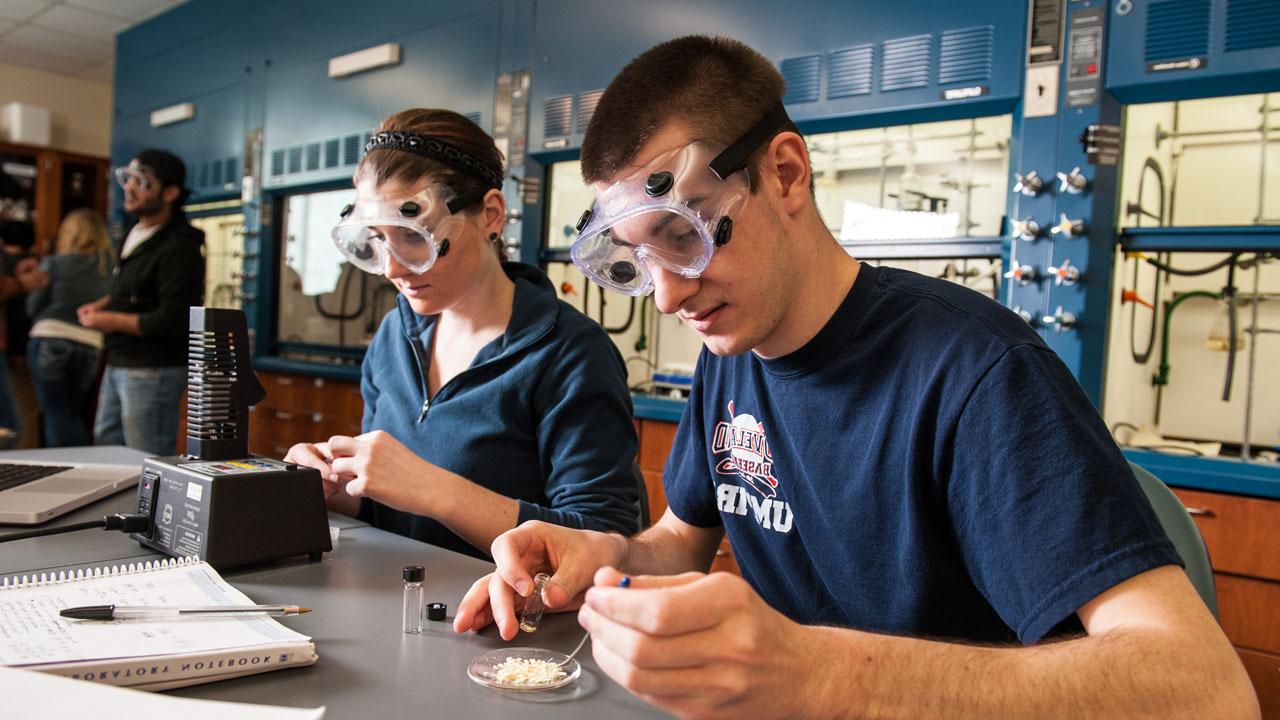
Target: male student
(930,517)
(145,316)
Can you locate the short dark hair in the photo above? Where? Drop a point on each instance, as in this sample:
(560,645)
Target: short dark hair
(719,85)
(169,170)
(385,164)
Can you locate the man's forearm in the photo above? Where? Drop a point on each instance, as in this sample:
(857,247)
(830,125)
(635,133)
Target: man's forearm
(1129,673)
(667,549)
(120,322)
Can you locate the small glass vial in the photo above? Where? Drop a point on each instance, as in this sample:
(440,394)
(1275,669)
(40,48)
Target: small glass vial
(532,613)
(413,575)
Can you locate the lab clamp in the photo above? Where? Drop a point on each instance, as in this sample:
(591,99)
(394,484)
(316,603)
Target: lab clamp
(217,502)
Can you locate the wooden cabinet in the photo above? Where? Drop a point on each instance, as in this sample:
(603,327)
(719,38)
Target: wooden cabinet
(1242,535)
(656,438)
(54,183)
(299,408)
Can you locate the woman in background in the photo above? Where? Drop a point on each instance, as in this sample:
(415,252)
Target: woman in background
(62,354)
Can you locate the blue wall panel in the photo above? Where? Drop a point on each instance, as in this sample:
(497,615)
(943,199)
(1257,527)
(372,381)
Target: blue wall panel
(450,64)
(1181,49)
(907,53)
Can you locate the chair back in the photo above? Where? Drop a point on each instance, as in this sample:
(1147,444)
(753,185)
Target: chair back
(1182,530)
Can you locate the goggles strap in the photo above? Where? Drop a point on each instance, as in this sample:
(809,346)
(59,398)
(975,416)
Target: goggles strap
(734,157)
(436,149)
(466,200)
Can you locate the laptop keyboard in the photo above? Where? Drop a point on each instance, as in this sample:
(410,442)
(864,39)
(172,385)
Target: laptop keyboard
(13,474)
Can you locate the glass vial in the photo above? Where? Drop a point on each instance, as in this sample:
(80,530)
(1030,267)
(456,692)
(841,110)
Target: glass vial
(413,575)
(532,613)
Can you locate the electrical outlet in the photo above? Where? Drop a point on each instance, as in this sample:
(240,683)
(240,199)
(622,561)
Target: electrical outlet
(1040,98)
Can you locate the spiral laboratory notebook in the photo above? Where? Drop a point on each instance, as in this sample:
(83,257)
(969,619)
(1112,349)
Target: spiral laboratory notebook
(142,654)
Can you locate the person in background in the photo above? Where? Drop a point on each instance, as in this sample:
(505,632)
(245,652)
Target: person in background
(16,277)
(930,516)
(144,316)
(62,354)
(488,401)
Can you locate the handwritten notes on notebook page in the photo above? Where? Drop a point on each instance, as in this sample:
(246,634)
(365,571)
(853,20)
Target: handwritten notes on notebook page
(32,632)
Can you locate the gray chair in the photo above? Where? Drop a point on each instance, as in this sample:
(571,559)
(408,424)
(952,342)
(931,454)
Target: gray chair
(1182,530)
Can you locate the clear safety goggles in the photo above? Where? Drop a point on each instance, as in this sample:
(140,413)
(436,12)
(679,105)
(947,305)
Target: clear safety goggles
(674,212)
(135,174)
(415,230)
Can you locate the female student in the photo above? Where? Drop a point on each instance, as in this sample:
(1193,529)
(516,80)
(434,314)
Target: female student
(488,401)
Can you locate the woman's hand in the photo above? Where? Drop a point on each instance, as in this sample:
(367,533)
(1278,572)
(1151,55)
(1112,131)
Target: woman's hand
(378,466)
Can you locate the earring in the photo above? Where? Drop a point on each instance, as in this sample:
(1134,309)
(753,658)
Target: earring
(493,237)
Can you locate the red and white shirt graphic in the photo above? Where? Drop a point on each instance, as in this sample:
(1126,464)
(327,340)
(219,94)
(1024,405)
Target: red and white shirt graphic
(749,457)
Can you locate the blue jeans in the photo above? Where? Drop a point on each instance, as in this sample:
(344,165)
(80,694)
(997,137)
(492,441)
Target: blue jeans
(8,408)
(63,373)
(138,407)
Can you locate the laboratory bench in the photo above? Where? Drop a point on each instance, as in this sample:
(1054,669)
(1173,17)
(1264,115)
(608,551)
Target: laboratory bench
(368,667)
(1235,504)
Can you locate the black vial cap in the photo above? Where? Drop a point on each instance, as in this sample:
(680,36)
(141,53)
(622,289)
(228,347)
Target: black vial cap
(414,573)
(437,611)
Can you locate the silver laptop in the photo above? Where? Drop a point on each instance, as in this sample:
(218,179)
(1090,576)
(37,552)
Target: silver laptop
(33,491)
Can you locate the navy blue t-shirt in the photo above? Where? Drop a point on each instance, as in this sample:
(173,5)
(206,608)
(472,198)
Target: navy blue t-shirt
(924,466)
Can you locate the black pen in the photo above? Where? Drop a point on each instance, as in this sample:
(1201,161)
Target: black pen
(159,612)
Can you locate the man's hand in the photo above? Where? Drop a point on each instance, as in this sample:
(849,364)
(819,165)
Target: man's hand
(570,556)
(30,275)
(698,646)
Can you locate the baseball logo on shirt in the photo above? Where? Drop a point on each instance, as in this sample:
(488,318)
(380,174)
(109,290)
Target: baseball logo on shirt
(749,456)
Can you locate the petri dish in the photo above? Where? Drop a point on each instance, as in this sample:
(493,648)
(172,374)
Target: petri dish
(483,668)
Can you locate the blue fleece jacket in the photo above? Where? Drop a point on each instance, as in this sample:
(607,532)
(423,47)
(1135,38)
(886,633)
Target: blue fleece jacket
(542,415)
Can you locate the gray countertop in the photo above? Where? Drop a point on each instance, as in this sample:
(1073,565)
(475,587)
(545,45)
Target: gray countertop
(367,666)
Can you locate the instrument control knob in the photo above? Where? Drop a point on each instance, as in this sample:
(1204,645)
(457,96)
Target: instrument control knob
(1065,274)
(1073,182)
(1023,274)
(1030,184)
(1027,229)
(1068,227)
(1060,320)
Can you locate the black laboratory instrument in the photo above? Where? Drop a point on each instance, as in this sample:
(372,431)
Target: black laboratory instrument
(217,502)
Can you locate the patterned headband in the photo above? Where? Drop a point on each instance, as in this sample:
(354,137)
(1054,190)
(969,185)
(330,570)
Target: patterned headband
(434,149)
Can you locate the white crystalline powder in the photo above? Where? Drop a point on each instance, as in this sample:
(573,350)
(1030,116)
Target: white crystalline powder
(519,671)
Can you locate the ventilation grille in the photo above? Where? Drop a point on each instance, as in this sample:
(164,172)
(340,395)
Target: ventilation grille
(474,117)
(351,146)
(852,71)
(803,76)
(313,156)
(212,376)
(906,62)
(326,154)
(1178,29)
(215,174)
(587,102)
(558,112)
(965,56)
(1252,24)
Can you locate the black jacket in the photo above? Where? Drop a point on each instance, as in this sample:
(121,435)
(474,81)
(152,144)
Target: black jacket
(159,281)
